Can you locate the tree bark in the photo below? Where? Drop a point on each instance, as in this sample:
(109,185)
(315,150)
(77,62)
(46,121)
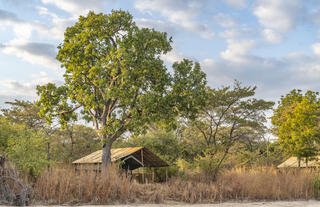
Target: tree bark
(106,153)
(307,161)
(216,170)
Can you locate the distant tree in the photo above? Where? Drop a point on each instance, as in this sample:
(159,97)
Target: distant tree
(23,112)
(296,122)
(114,73)
(230,115)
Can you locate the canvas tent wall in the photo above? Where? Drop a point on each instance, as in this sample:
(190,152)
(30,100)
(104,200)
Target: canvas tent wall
(293,162)
(131,158)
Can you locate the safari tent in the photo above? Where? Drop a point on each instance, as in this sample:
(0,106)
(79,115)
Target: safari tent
(293,162)
(130,158)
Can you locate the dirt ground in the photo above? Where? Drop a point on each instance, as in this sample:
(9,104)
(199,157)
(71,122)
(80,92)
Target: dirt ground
(311,203)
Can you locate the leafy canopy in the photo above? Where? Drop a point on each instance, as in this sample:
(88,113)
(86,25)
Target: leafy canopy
(114,73)
(297,123)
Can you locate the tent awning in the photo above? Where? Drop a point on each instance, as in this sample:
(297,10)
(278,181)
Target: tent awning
(138,155)
(293,162)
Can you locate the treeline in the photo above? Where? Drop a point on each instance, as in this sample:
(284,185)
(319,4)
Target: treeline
(230,131)
(33,145)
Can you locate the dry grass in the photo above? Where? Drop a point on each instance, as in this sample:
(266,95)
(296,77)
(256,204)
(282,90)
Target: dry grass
(267,183)
(68,186)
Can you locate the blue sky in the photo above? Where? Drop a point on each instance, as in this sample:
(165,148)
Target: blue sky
(273,44)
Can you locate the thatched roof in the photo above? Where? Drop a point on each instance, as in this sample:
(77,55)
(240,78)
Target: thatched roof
(134,154)
(292,162)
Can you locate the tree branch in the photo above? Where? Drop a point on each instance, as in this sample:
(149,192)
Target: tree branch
(71,110)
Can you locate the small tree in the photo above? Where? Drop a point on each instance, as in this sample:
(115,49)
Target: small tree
(230,115)
(114,73)
(296,122)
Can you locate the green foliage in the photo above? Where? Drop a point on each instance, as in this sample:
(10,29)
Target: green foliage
(24,138)
(114,73)
(5,132)
(26,149)
(297,124)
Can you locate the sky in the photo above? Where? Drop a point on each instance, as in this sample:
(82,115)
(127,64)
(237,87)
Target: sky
(271,44)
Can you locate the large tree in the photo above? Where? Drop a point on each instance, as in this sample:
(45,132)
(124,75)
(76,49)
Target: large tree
(296,122)
(114,73)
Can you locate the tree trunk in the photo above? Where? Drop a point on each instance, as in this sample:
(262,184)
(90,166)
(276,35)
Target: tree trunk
(106,153)
(307,161)
(299,162)
(216,170)
(72,141)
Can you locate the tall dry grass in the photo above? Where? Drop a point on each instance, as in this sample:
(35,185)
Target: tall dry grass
(268,183)
(60,186)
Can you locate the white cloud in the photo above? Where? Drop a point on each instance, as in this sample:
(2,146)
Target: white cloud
(58,25)
(45,12)
(180,12)
(238,33)
(272,36)
(33,52)
(274,77)
(238,50)
(156,24)
(278,15)
(172,56)
(77,7)
(225,20)
(21,28)
(22,31)
(16,88)
(316,48)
